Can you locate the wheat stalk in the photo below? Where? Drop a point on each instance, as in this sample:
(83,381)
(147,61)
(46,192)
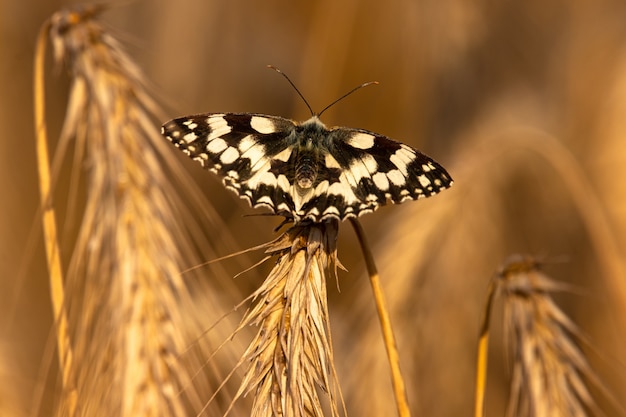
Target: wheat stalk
(482,355)
(391,347)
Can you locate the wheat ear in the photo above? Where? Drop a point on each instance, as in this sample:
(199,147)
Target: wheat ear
(549,369)
(124,293)
(291,355)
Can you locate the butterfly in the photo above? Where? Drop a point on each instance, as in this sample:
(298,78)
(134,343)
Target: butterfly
(306,171)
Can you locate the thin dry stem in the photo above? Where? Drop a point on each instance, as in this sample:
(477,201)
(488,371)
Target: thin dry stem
(399,388)
(482,355)
(55,272)
(291,355)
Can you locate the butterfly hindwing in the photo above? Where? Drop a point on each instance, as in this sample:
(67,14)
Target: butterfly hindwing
(375,169)
(304,170)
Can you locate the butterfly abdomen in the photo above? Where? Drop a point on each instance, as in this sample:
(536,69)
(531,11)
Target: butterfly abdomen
(306,168)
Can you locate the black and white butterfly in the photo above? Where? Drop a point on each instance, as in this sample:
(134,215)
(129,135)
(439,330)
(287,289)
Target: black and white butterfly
(306,171)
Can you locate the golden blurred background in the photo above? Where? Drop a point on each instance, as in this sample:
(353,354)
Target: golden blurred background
(523,102)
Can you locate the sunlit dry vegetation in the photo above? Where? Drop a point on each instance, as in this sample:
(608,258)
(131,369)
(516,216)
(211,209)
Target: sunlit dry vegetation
(522,102)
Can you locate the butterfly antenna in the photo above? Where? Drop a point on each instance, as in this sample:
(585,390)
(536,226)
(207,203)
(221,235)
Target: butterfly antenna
(358,87)
(294,87)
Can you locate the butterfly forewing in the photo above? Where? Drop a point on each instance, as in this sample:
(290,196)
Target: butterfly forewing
(304,170)
(239,148)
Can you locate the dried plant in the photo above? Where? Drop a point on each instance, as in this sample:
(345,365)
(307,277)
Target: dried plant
(291,356)
(549,369)
(126,302)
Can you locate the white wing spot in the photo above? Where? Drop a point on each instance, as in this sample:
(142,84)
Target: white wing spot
(314,211)
(283,183)
(348,179)
(381,181)
(321,188)
(363,168)
(266,178)
(370,163)
(358,171)
(396,177)
(246,143)
(256,154)
(265,199)
(361,140)
(402,158)
(190,124)
(219,127)
(344,190)
(233,174)
(331,162)
(300,196)
(424,181)
(229,156)
(284,155)
(263,125)
(190,137)
(216,145)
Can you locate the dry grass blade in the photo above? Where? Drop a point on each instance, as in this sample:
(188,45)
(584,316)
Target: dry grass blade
(124,291)
(55,272)
(482,355)
(399,388)
(291,356)
(549,370)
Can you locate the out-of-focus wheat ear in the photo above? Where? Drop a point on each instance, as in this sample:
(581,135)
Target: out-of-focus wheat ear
(55,272)
(550,372)
(291,355)
(399,387)
(124,291)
